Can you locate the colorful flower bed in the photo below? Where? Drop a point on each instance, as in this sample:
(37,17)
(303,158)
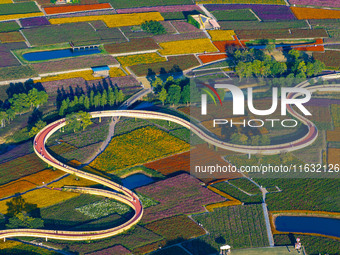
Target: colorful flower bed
(11,37)
(333,135)
(178,203)
(6,1)
(7,58)
(168,27)
(140,59)
(139,146)
(134,45)
(72,181)
(169,8)
(276,2)
(74,63)
(20,16)
(116,250)
(184,27)
(241,14)
(9,26)
(311,13)
(120,4)
(207,58)
(330,58)
(184,62)
(312,47)
(243,227)
(83,14)
(179,37)
(329,3)
(118,20)
(187,47)
(29,182)
(264,11)
(222,45)
(255,25)
(221,35)
(18,8)
(76,8)
(34,22)
(178,227)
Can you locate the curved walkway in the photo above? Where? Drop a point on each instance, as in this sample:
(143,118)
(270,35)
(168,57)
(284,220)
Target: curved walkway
(126,196)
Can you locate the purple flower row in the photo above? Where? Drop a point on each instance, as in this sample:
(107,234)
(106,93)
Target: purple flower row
(263,11)
(169,8)
(330,3)
(178,37)
(7,58)
(33,22)
(182,194)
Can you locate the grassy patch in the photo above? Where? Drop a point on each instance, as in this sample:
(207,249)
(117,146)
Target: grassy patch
(18,8)
(9,26)
(120,4)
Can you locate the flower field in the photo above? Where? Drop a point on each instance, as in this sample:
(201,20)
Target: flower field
(222,45)
(187,47)
(34,22)
(328,3)
(73,63)
(312,46)
(330,58)
(255,25)
(242,226)
(333,156)
(140,59)
(184,27)
(311,13)
(76,8)
(7,57)
(263,11)
(71,181)
(188,197)
(9,26)
(28,182)
(234,15)
(10,37)
(139,146)
(118,20)
(333,135)
(20,16)
(120,4)
(179,37)
(276,2)
(221,35)
(178,227)
(6,1)
(117,250)
(134,45)
(184,62)
(168,8)
(207,58)
(16,72)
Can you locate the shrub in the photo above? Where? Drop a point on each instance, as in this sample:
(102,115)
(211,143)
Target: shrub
(153,27)
(193,22)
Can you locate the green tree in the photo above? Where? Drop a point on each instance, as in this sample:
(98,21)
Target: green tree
(103,101)
(87,103)
(64,106)
(153,27)
(163,95)
(193,22)
(185,96)
(97,100)
(20,103)
(286,157)
(16,205)
(265,140)
(174,94)
(37,98)
(240,70)
(92,98)
(3,118)
(36,128)
(255,140)
(120,96)
(10,115)
(111,97)
(79,120)
(270,47)
(23,220)
(318,67)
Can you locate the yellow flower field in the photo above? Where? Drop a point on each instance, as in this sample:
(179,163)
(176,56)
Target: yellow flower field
(42,198)
(71,181)
(137,147)
(116,20)
(20,16)
(6,1)
(187,47)
(87,75)
(137,59)
(221,35)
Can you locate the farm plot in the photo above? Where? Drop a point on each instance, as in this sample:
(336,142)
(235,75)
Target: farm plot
(190,197)
(76,8)
(245,185)
(187,47)
(276,2)
(184,27)
(16,72)
(331,25)
(221,35)
(9,26)
(328,3)
(20,16)
(10,37)
(118,20)
(333,135)
(240,226)
(179,37)
(263,11)
(161,9)
(255,25)
(138,147)
(73,63)
(207,58)
(34,22)
(122,4)
(329,57)
(117,250)
(311,13)
(178,227)
(333,156)
(19,8)
(134,45)
(7,58)
(140,59)
(233,15)
(183,62)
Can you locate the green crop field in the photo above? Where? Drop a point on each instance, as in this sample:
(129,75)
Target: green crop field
(18,8)
(233,15)
(9,26)
(119,4)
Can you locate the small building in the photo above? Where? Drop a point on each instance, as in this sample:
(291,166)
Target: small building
(101,71)
(225,250)
(206,22)
(63,1)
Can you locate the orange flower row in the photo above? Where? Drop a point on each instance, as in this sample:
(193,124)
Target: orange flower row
(207,58)
(76,8)
(315,13)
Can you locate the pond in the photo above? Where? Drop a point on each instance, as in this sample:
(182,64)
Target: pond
(136,180)
(302,224)
(55,54)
